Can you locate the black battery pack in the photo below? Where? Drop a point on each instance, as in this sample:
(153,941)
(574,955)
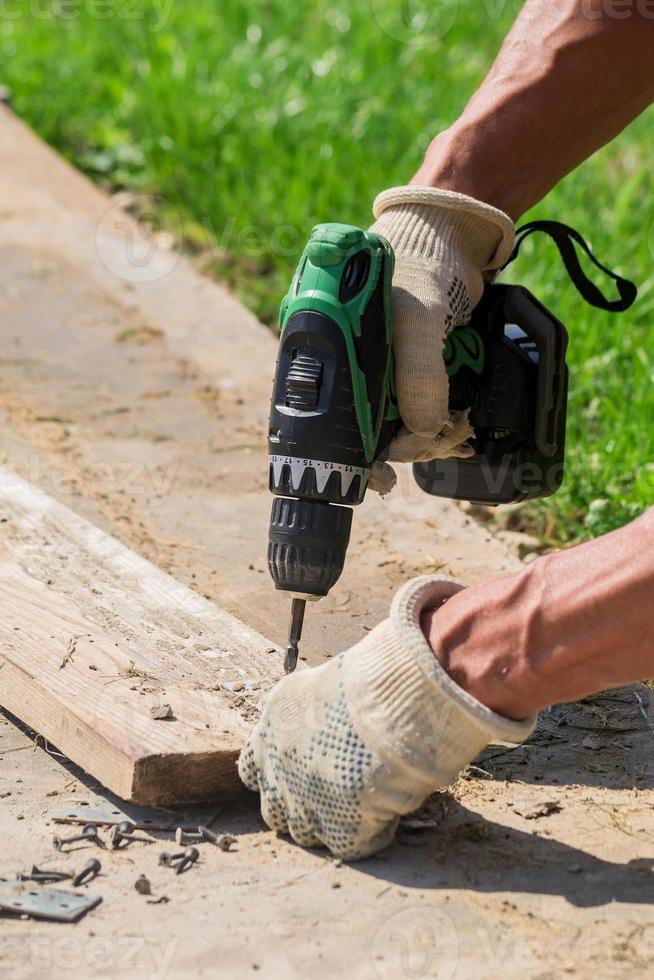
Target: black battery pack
(508,367)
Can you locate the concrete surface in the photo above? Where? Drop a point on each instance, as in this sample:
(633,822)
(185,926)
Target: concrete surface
(136,392)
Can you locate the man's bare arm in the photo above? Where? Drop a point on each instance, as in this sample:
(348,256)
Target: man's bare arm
(570,76)
(573,623)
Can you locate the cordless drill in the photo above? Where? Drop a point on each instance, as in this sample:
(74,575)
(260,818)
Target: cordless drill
(334,409)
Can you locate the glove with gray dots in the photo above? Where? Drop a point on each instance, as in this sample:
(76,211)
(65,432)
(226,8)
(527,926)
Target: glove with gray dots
(342,751)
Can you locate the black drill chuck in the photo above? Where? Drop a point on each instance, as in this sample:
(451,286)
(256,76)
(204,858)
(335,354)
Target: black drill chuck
(307,544)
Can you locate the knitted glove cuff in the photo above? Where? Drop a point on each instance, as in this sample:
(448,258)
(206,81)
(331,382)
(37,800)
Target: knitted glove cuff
(425,222)
(427,592)
(397,669)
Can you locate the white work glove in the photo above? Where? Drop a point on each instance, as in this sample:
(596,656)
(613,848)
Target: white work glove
(445,245)
(343,750)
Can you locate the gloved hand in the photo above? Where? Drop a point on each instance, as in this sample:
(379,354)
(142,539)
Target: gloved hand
(343,750)
(444,244)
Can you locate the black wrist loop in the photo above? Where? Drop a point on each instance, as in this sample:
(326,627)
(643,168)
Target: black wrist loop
(565,239)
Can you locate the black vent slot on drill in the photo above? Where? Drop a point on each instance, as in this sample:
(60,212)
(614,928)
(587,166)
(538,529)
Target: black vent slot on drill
(355,276)
(303,381)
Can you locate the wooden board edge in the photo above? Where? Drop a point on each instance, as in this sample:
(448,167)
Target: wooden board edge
(166,780)
(32,712)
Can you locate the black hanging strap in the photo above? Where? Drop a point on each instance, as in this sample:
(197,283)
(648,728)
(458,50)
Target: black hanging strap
(565,238)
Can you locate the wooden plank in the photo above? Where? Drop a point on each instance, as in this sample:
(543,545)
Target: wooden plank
(92,636)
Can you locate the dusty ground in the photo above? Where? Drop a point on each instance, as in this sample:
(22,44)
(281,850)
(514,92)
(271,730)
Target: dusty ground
(141,403)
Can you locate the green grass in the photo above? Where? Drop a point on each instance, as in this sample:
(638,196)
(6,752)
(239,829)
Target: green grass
(254,120)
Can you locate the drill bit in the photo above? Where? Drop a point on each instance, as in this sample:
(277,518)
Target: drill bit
(294,633)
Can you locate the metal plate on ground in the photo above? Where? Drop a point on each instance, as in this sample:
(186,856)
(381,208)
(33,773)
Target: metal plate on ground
(143,818)
(110,815)
(24,898)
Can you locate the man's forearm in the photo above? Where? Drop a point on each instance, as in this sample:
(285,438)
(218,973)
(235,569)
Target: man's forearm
(573,623)
(571,74)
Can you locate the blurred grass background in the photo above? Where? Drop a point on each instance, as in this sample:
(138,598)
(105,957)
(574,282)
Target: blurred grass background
(252,121)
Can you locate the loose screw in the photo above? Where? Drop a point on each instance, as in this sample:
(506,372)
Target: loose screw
(202,835)
(168,860)
(180,862)
(184,837)
(123,833)
(191,854)
(89,833)
(143,886)
(90,871)
(223,841)
(44,876)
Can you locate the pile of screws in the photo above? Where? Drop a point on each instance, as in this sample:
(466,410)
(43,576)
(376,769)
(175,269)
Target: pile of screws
(120,836)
